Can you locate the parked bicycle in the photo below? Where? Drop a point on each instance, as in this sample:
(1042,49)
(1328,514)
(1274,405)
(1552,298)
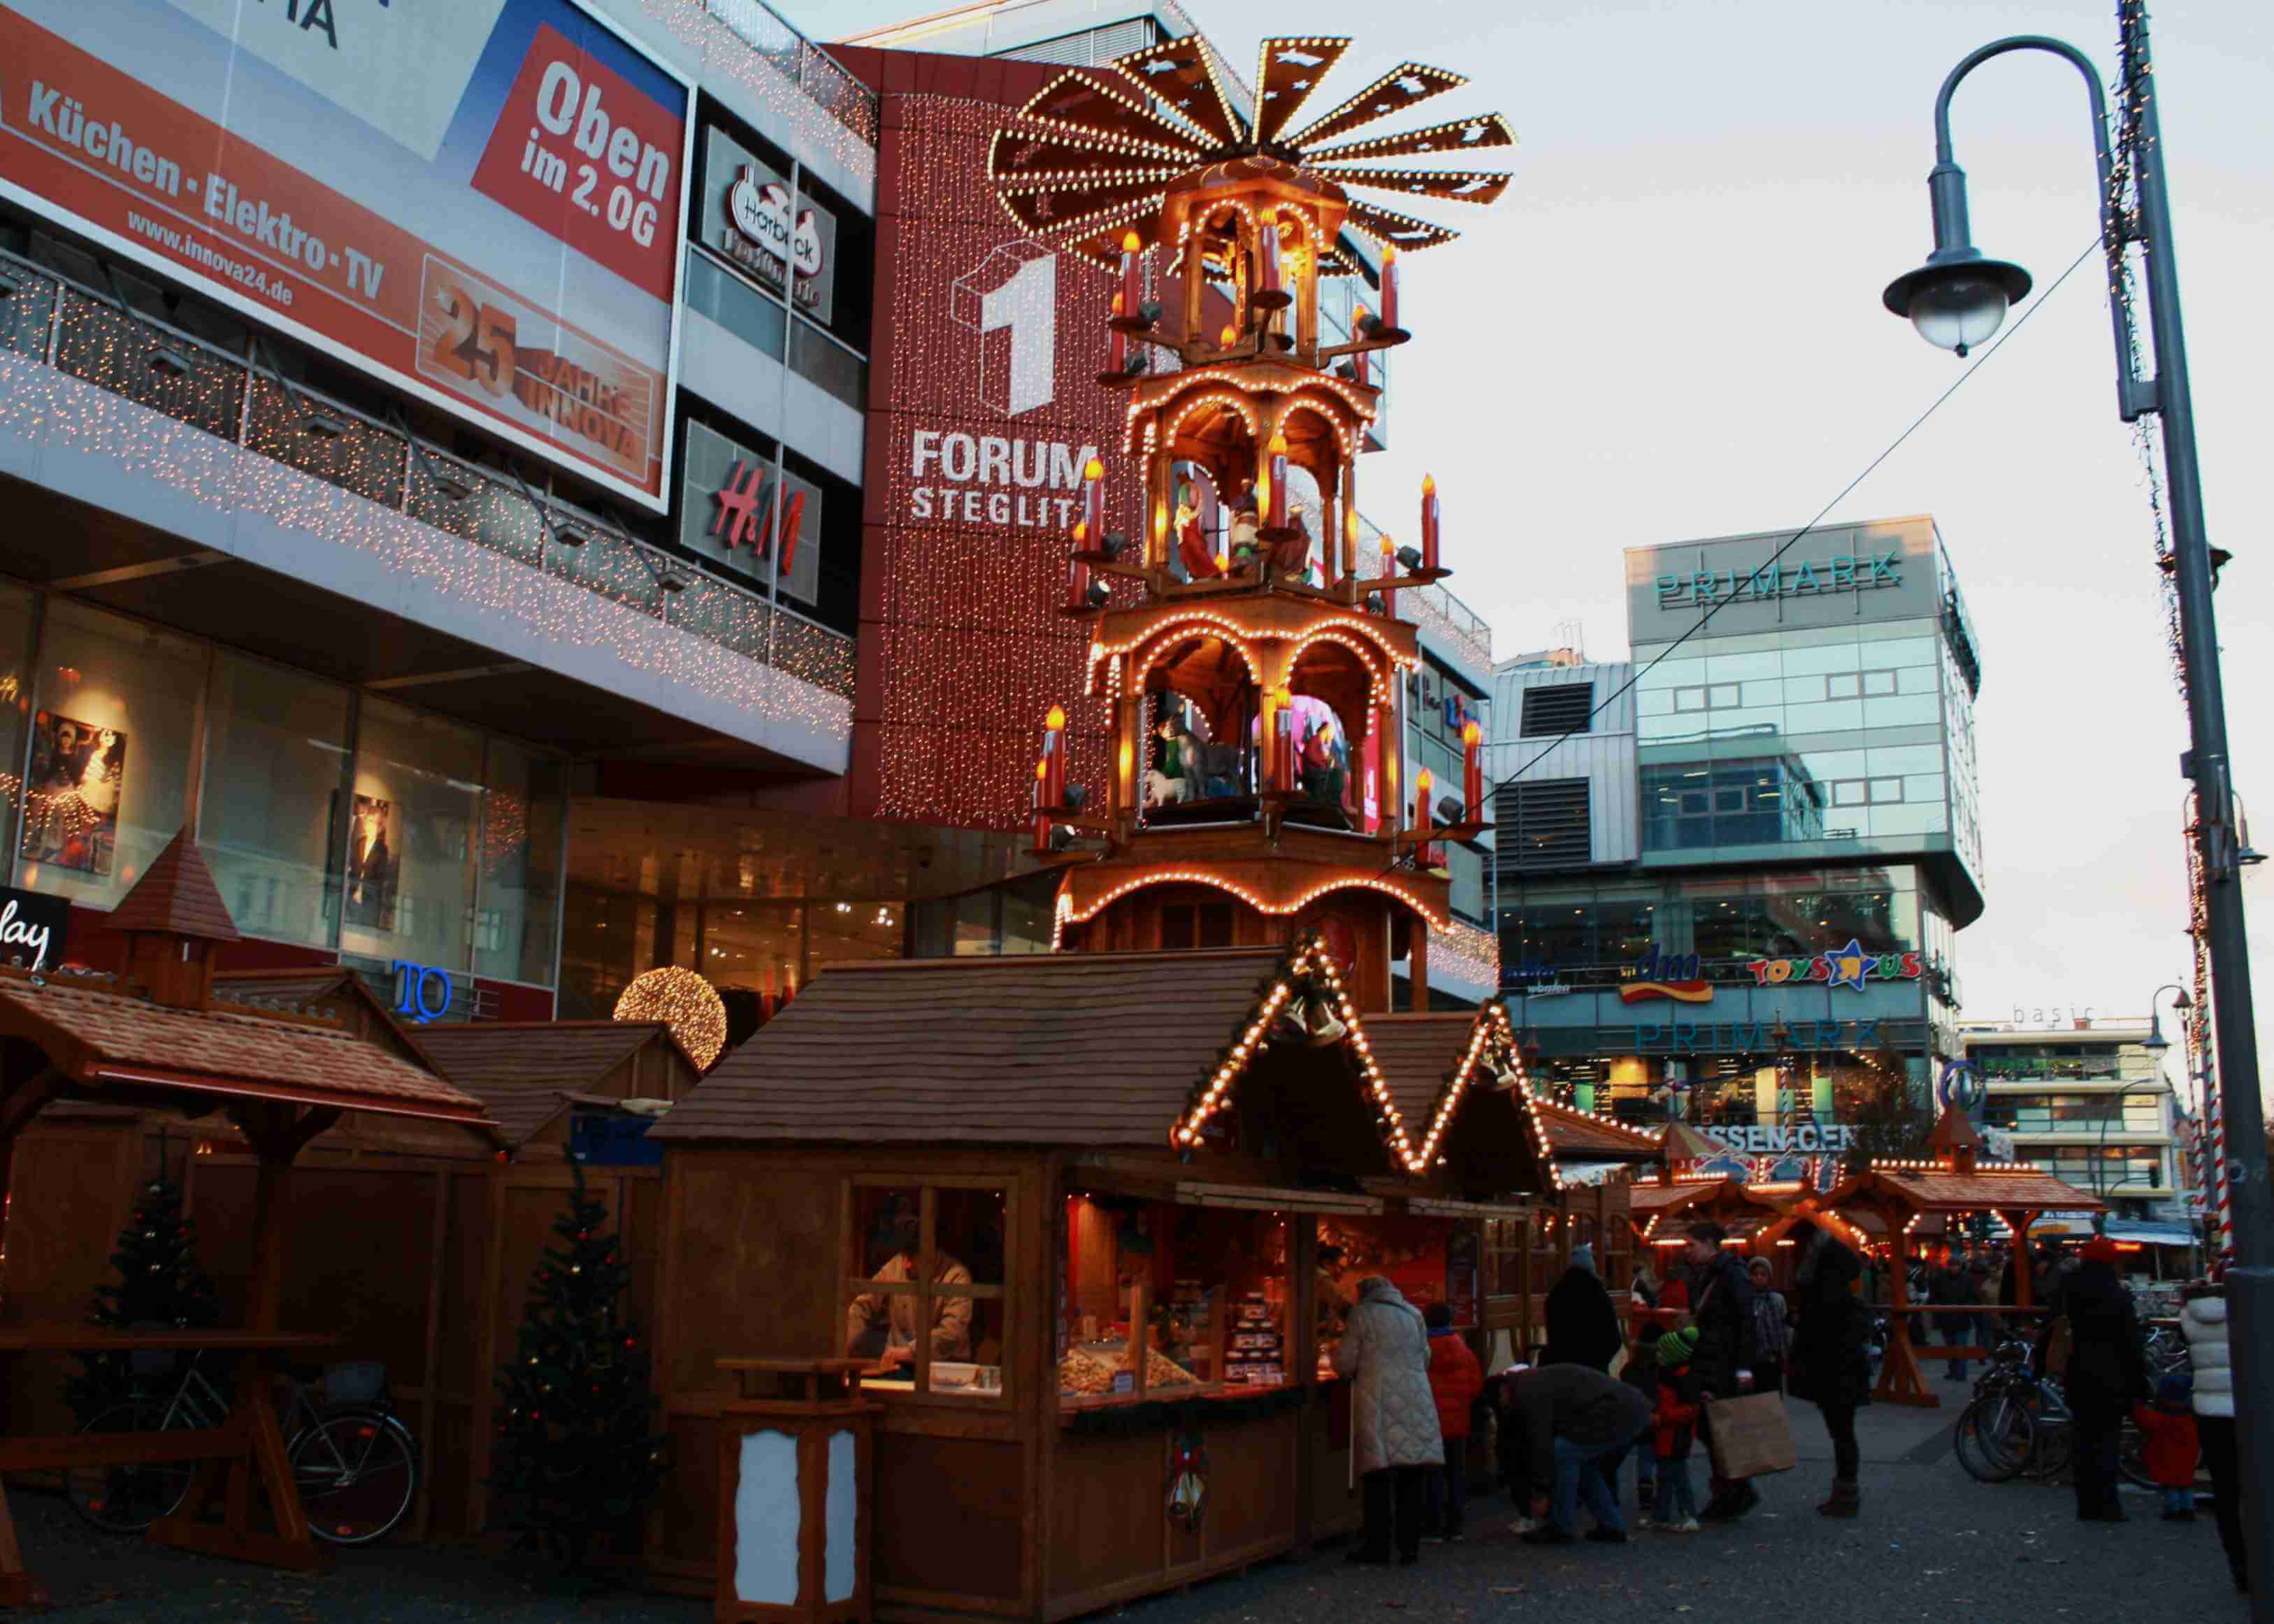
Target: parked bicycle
(353,1460)
(2016,1421)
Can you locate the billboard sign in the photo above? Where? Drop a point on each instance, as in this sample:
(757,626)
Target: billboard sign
(480,203)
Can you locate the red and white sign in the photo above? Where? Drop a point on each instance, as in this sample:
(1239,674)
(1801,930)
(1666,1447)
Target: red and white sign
(481,203)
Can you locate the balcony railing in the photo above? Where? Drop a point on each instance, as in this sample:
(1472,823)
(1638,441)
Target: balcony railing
(796,59)
(240,398)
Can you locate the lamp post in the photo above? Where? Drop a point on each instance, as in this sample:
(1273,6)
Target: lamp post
(1958,299)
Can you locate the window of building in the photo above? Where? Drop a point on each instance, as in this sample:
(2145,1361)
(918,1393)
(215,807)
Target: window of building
(523,799)
(270,816)
(15,677)
(1541,825)
(923,1297)
(114,730)
(412,830)
(1552,709)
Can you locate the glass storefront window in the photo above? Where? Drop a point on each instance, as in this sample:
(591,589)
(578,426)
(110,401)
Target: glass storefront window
(523,801)
(757,946)
(412,834)
(112,737)
(15,688)
(1164,1301)
(272,803)
(925,1303)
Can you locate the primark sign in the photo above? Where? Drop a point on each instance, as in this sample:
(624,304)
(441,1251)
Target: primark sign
(1842,572)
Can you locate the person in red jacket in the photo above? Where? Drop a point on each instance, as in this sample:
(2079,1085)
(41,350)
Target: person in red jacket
(2170,1445)
(1674,1424)
(1456,1382)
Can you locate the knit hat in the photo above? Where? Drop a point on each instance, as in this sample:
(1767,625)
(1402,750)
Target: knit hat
(2099,1249)
(1583,1256)
(1675,1347)
(2174,1389)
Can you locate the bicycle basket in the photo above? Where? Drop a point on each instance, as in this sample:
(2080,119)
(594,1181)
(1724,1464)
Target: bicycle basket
(354,1382)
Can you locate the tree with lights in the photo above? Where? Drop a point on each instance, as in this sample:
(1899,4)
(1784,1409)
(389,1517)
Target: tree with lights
(159,1284)
(576,1459)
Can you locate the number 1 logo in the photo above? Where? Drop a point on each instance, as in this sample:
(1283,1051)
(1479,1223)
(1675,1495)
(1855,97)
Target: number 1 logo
(1015,291)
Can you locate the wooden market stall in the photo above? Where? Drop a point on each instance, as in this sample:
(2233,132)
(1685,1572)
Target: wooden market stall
(963,1171)
(433,1294)
(156,1038)
(1893,1198)
(1663,1209)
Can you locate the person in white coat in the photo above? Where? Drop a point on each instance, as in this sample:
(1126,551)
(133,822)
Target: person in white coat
(2203,1321)
(1384,1354)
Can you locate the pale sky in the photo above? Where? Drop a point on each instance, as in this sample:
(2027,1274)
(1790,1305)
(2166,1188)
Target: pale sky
(1669,327)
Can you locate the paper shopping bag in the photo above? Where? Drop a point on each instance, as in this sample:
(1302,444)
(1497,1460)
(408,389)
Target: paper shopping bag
(1749,1436)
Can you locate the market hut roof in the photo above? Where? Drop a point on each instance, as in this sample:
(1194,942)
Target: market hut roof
(1577,1135)
(1085,1049)
(1076,1048)
(175,896)
(1990,1187)
(119,1045)
(527,1072)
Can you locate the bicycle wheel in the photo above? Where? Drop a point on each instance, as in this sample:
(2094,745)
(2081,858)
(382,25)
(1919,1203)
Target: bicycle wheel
(127,1499)
(1994,1436)
(2056,1448)
(2129,1463)
(358,1472)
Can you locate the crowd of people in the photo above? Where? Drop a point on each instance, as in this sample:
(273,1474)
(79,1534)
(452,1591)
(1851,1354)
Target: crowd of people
(1608,1388)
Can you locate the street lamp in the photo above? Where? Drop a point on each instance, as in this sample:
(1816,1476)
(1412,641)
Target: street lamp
(2155,1042)
(1954,298)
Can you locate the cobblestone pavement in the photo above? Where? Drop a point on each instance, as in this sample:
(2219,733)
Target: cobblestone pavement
(1931,1545)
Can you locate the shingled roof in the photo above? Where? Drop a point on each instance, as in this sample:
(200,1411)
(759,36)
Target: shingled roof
(1064,1048)
(1416,1053)
(110,1040)
(176,895)
(527,1072)
(1575,1136)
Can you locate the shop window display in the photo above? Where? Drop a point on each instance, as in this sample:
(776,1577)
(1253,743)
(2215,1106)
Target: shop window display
(276,758)
(113,729)
(1158,1301)
(924,1304)
(414,817)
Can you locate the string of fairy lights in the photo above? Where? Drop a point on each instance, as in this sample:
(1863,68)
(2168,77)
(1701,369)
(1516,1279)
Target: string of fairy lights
(763,56)
(103,398)
(2133,87)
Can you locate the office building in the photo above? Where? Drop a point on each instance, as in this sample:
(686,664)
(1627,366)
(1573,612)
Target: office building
(1734,890)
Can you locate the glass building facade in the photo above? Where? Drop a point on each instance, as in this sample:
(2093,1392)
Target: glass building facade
(1779,953)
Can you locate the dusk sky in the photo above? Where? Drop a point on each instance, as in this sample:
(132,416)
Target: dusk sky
(1669,327)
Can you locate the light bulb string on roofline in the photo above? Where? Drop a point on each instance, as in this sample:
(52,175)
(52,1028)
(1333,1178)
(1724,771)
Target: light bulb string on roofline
(1582,726)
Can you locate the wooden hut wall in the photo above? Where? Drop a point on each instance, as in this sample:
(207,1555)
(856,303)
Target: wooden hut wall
(756,1245)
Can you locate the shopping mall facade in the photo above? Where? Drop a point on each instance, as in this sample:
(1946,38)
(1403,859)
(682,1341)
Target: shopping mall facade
(1733,891)
(700,609)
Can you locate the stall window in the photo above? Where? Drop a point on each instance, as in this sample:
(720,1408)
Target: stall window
(1415,1254)
(269,815)
(411,837)
(923,1300)
(1160,1301)
(113,729)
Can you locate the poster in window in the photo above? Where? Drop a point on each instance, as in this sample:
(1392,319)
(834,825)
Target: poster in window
(71,815)
(375,863)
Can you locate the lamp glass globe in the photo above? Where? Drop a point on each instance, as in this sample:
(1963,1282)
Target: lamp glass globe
(1958,314)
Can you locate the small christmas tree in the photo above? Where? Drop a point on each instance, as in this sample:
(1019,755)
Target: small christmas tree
(159,1284)
(576,1457)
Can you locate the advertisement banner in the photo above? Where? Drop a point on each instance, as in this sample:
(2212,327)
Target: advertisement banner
(481,203)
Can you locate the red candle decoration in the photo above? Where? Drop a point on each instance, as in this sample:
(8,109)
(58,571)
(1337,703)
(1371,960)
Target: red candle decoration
(1078,572)
(1472,770)
(1389,285)
(1093,501)
(1270,278)
(1361,368)
(1041,818)
(1276,470)
(1054,760)
(1132,274)
(1389,569)
(1428,522)
(1283,741)
(1116,341)
(1422,819)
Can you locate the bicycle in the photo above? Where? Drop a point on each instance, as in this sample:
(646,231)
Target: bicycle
(2016,1421)
(355,1463)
